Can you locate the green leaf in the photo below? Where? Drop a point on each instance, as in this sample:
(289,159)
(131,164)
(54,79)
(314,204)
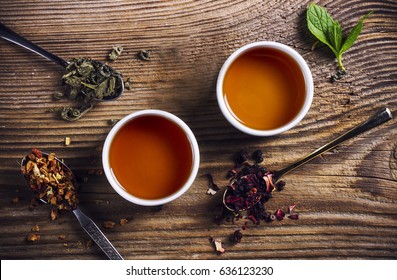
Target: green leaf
(352,37)
(328,31)
(335,36)
(320,23)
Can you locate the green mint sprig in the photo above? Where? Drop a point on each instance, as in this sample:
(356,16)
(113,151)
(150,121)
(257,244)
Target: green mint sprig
(328,31)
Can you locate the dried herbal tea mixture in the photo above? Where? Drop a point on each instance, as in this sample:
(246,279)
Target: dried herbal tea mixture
(50,181)
(91,79)
(251,186)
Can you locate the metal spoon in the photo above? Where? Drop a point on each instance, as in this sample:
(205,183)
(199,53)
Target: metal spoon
(86,223)
(382,116)
(15,38)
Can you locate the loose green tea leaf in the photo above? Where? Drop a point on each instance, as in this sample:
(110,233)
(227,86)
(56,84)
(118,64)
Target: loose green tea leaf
(115,53)
(144,55)
(73,114)
(91,79)
(58,95)
(128,84)
(328,31)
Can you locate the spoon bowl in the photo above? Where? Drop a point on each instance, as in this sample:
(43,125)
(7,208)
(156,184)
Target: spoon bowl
(272,177)
(87,224)
(17,39)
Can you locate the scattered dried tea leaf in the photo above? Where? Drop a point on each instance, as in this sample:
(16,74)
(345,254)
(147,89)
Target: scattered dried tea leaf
(217,243)
(240,157)
(67,141)
(73,114)
(109,224)
(62,236)
(115,52)
(211,183)
(144,55)
(32,204)
(112,121)
(128,84)
(280,185)
(89,243)
(237,236)
(35,228)
(16,199)
(257,156)
(33,237)
(99,172)
(123,221)
(211,192)
(294,216)
(280,214)
(54,214)
(291,208)
(58,95)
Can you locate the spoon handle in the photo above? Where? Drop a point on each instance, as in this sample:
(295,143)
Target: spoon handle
(15,38)
(379,118)
(96,234)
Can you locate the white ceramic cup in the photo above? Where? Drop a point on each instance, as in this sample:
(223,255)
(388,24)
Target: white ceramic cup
(112,178)
(308,80)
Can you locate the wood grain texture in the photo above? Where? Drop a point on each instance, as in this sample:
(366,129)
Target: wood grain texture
(347,198)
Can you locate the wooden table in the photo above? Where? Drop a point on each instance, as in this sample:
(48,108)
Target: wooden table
(347,199)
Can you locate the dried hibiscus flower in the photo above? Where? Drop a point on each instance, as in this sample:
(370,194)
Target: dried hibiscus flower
(280,214)
(250,188)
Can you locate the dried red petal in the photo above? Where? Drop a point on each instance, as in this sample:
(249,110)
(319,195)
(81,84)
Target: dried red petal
(37,153)
(269,181)
(253,219)
(291,208)
(294,216)
(280,214)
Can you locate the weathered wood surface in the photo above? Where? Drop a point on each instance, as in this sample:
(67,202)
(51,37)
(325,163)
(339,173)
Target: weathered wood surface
(347,199)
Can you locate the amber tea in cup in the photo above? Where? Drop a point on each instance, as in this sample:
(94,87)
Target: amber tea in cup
(151,157)
(264,88)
